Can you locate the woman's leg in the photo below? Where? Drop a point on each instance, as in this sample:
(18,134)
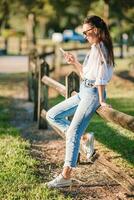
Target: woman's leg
(57,115)
(85,110)
(82,116)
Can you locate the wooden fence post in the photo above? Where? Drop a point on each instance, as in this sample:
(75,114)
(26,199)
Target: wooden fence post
(57,60)
(42,94)
(35,86)
(30,30)
(72,83)
(31,68)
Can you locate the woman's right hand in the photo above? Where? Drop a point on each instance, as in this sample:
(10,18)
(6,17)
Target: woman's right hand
(70,58)
(104,104)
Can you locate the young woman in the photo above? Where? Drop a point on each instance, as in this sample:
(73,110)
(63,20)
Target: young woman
(95,72)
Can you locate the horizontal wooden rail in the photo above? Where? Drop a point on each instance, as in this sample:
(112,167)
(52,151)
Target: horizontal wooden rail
(43,55)
(56,85)
(117,117)
(76,48)
(109,114)
(46,54)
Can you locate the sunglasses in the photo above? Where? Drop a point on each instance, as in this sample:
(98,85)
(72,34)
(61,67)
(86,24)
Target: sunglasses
(85,33)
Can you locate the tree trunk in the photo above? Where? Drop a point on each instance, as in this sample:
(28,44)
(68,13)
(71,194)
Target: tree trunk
(106,11)
(30,31)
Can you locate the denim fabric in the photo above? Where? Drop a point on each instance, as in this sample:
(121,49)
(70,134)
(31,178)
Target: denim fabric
(83,105)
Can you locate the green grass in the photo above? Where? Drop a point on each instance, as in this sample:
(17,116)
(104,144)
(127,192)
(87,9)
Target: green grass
(19,178)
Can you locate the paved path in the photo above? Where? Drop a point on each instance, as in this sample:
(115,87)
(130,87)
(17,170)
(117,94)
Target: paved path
(13,64)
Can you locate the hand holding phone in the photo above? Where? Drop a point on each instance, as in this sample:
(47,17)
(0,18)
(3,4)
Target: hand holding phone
(70,59)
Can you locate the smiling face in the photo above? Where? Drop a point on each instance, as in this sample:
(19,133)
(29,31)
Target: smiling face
(90,33)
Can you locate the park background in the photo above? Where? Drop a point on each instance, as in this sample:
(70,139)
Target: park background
(30,24)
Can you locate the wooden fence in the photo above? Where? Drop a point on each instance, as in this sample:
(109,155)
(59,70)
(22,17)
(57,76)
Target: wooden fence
(39,82)
(21,45)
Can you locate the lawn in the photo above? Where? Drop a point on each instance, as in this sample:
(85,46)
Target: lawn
(19,177)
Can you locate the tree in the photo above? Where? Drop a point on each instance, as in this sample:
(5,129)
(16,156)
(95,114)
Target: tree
(69,14)
(61,14)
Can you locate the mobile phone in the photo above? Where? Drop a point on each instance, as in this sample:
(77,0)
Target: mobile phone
(62,50)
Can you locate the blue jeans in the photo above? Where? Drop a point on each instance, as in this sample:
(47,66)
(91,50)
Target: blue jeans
(83,105)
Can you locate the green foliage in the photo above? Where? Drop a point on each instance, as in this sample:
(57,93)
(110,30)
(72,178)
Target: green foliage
(67,12)
(57,15)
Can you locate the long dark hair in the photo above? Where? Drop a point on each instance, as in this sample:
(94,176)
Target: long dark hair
(103,34)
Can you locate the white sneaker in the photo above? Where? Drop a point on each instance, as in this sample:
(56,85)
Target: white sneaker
(88,145)
(58,182)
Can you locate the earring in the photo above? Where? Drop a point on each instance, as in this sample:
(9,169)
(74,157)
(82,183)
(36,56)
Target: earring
(96,33)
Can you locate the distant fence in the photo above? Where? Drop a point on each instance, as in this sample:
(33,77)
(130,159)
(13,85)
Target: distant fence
(13,45)
(21,45)
(39,81)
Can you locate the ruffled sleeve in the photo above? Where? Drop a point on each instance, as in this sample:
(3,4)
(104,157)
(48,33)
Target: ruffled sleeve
(104,72)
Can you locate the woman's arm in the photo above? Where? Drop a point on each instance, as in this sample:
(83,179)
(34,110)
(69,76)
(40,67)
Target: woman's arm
(101,89)
(102,102)
(78,66)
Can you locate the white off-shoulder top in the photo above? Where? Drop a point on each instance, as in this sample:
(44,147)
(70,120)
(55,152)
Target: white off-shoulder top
(96,66)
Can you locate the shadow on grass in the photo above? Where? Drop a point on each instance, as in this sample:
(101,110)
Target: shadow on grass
(125,75)
(117,139)
(112,139)
(125,105)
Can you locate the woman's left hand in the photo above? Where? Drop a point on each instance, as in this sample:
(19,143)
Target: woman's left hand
(104,104)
